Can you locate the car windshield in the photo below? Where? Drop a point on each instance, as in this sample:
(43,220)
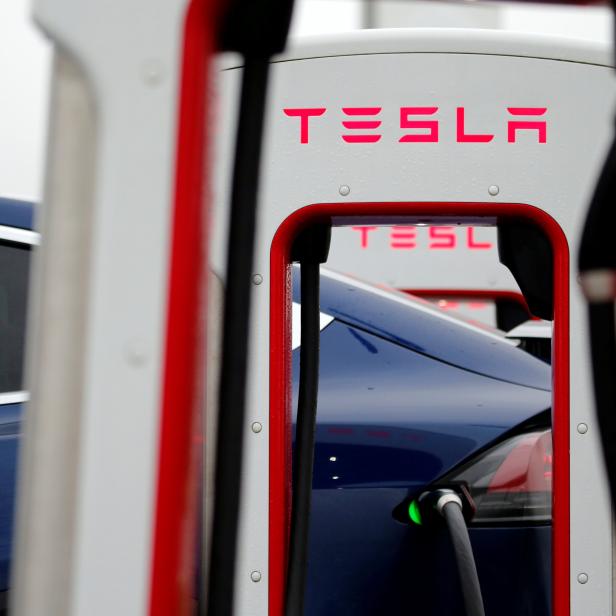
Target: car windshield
(14,268)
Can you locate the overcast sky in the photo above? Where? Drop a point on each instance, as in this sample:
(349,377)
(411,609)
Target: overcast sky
(25,61)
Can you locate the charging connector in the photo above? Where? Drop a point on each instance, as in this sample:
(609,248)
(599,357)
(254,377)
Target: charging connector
(455,508)
(450,507)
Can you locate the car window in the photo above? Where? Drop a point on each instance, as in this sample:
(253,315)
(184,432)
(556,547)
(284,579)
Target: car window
(14,269)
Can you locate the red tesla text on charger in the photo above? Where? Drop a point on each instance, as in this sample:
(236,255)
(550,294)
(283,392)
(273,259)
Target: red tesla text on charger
(362,124)
(405,237)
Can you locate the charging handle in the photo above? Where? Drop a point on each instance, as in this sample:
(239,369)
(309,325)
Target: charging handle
(312,244)
(449,505)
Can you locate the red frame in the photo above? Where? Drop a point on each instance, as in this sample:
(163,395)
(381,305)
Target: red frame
(513,296)
(280,375)
(172,578)
(487,294)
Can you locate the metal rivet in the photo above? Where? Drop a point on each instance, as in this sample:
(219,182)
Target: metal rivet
(256,427)
(344,190)
(255,576)
(257,279)
(582,578)
(135,353)
(152,71)
(494,190)
(582,428)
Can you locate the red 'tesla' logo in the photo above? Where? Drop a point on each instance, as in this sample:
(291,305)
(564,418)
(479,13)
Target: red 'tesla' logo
(361,124)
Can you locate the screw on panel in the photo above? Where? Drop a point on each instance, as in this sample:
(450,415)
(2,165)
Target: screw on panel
(582,428)
(255,576)
(344,190)
(494,190)
(257,279)
(152,71)
(582,578)
(256,427)
(135,353)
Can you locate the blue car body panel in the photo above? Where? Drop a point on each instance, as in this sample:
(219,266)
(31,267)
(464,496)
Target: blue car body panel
(393,417)
(402,418)
(19,214)
(417,326)
(10,418)
(16,213)
(364,563)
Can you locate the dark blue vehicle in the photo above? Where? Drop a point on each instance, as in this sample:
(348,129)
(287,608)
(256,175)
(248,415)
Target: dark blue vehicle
(409,398)
(16,239)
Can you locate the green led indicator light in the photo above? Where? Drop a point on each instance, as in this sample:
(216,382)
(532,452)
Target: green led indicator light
(414,512)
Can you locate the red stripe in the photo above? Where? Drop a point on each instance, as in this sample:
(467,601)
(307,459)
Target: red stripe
(527,111)
(365,124)
(513,296)
(280,432)
(313,111)
(361,138)
(175,529)
(357,111)
(280,420)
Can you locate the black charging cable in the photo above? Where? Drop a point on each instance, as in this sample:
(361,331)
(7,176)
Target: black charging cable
(257,29)
(310,249)
(447,504)
(231,400)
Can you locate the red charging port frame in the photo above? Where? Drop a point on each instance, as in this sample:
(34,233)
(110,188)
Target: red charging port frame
(280,373)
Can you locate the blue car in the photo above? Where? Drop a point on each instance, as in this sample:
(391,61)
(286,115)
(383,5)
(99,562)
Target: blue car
(409,398)
(16,239)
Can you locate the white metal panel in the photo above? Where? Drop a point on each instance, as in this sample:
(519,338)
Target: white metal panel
(428,13)
(14,397)
(296,324)
(374,254)
(443,40)
(532,329)
(48,466)
(130,56)
(22,236)
(485,72)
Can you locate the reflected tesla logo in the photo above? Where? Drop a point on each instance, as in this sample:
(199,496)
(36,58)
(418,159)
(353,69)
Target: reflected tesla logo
(439,238)
(421,124)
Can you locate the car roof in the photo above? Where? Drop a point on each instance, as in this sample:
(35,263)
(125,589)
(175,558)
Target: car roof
(422,328)
(16,213)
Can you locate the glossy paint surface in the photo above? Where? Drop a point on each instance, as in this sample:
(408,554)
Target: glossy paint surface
(415,325)
(364,563)
(10,416)
(15,213)
(394,416)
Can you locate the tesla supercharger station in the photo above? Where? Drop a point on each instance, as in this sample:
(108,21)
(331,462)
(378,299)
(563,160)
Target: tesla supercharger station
(414,127)
(375,128)
(107,507)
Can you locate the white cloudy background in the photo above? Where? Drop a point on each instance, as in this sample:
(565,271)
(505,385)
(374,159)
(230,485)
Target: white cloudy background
(25,58)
